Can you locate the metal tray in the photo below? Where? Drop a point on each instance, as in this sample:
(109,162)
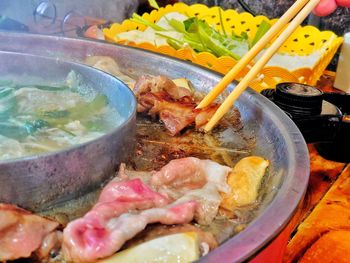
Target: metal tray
(276,136)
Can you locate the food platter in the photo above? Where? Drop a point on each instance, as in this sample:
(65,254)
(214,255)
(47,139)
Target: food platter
(275,136)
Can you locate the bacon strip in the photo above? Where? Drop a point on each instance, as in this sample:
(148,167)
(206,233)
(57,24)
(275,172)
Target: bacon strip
(175,116)
(205,114)
(21,232)
(103,230)
(146,84)
(175,106)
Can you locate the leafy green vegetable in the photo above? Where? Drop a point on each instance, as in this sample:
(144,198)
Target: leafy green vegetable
(44,87)
(211,39)
(78,112)
(96,125)
(57,114)
(201,37)
(139,19)
(222,22)
(8,102)
(191,24)
(12,130)
(153,3)
(175,43)
(33,126)
(263,28)
(19,130)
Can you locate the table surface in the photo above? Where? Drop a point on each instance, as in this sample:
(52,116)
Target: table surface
(322,222)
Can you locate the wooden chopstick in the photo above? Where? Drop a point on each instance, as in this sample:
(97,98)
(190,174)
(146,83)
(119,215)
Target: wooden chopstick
(243,84)
(273,31)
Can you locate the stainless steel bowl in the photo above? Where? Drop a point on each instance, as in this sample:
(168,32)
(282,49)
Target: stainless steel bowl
(38,181)
(277,137)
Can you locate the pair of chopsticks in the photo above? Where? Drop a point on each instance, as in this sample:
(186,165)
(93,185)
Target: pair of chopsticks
(299,10)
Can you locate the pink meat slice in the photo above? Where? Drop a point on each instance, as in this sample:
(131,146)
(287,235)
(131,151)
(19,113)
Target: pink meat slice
(191,178)
(129,225)
(21,232)
(122,196)
(180,174)
(116,218)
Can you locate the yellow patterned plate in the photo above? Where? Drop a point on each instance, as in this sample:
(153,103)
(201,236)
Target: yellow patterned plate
(304,43)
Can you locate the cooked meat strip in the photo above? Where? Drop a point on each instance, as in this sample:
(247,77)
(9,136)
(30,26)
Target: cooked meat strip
(128,225)
(205,114)
(132,191)
(158,230)
(51,243)
(121,197)
(116,218)
(188,179)
(194,179)
(147,101)
(190,173)
(175,106)
(125,174)
(208,199)
(180,174)
(151,84)
(21,232)
(175,116)
(143,85)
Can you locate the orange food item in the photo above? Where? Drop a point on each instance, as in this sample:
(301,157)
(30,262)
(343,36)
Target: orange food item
(333,246)
(324,235)
(244,181)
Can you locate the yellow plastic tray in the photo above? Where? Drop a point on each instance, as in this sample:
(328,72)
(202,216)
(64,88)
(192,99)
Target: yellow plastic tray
(304,41)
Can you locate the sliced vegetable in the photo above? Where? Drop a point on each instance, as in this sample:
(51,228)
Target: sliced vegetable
(218,44)
(153,3)
(222,22)
(75,113)
(33,126)
(263,28)
(201,37)
(176,248)
(13,130)
(19,130)
(8,102)
(139,19)
(197,34)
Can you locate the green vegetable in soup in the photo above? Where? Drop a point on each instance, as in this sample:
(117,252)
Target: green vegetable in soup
(17,130)
(8,102)
(12,130)
(48,88)
(77,112)
(40,118)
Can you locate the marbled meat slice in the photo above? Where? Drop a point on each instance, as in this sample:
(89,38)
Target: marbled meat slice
(194,179)
(21,232)
(123,210)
